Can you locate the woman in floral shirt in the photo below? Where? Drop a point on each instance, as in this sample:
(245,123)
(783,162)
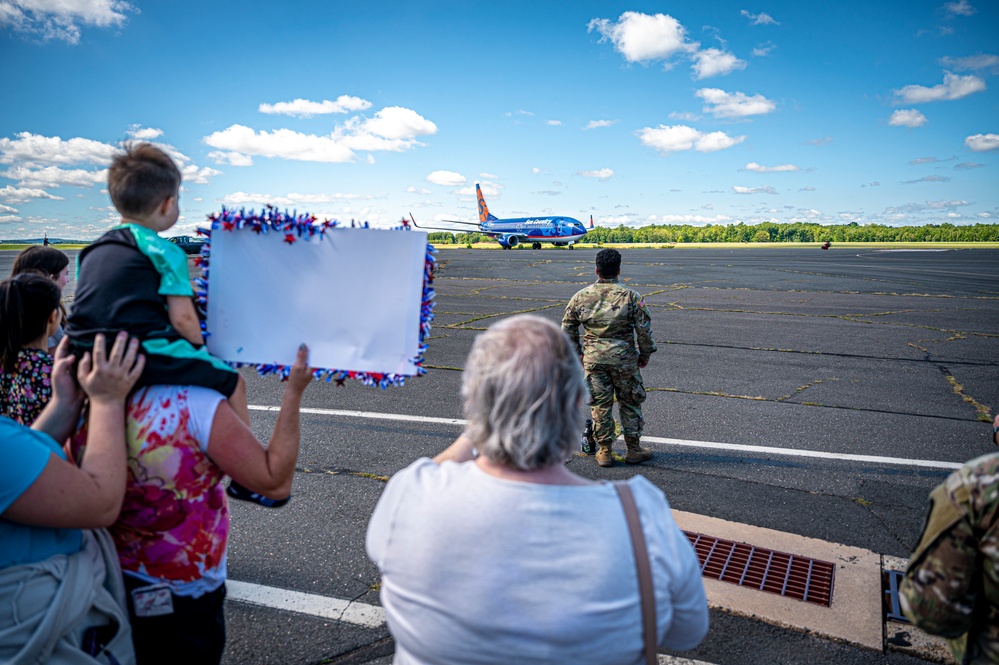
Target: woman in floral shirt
(29,314)
(173,528)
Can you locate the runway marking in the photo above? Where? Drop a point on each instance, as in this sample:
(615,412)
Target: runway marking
(769,450)
(326,607)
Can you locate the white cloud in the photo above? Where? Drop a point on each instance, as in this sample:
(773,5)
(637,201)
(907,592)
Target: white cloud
(715,62)
(982,142)
(34,150)
(303,108)
(488,176)
(599,174)
(393,129)
(553,123)
(759,19)
(763,50)
(61,19)
(447,178)
(489,190)
(535,170)
(397,124)
(10,218)
(680,137)
(17,195)
(199,176)
(53,176)
(974,62)
(289,200)
(953,87)
(144,133)
(7,209)
(423,191)
(595,124)
(907,118)
(945,205)
(961,7)
(643,37)
(233,158)
(754,190)
(685,116)
(723,104)
(783,168)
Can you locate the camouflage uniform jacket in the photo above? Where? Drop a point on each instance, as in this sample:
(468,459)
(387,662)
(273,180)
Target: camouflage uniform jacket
(951,587)
(612,317)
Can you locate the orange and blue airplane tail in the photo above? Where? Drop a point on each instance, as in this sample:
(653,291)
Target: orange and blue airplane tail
(484,214)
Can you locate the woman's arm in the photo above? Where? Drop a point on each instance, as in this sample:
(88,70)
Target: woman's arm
(234,448)
(88,496)
(58,418)
(184,319)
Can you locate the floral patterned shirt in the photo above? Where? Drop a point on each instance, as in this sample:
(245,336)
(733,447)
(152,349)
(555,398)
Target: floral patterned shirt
(174,523)
(24,393)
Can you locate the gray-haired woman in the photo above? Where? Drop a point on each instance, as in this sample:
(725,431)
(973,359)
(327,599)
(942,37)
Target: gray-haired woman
(494,552)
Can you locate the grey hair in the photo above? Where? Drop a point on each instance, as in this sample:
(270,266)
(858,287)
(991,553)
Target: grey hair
(524,391)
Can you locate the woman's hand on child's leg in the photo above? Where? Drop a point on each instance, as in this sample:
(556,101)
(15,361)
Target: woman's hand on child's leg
(109,377)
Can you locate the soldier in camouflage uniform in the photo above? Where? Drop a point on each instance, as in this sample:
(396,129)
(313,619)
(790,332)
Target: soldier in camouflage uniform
(612,316)
(951,587)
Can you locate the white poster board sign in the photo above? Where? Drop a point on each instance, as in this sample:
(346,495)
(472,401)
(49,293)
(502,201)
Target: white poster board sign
(354,296)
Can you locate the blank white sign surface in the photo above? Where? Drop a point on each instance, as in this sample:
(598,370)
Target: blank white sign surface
(354,297)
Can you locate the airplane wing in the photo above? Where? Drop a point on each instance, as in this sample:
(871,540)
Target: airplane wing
(449,221)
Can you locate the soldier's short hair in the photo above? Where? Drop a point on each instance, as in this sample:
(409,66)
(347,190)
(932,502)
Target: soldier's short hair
(141,178)
(524,393)
(609,262)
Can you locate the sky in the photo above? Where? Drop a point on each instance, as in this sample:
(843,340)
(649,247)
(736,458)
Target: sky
(635,113)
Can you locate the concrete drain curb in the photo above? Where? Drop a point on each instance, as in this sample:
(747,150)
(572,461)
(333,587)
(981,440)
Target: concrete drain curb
(855,614)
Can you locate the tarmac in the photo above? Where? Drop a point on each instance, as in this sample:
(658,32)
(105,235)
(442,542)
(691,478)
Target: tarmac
(801,400)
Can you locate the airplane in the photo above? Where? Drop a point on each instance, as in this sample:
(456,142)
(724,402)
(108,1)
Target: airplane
(512,231)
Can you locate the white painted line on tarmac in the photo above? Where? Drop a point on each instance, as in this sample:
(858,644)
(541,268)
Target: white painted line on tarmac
(797,452)
(673,660)
(369,414)
(736,447)
(327,607)
(360,614)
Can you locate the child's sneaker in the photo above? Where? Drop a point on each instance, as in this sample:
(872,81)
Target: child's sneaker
(237,491)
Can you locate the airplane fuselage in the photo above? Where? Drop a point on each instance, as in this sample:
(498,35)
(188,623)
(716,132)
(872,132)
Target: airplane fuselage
(513,231)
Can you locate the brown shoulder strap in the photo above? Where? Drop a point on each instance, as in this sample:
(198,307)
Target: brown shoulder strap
(645,588)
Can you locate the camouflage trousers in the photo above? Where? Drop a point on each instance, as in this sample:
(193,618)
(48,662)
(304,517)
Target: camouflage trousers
(623,382)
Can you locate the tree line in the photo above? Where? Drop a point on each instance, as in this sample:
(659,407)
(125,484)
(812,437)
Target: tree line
(765,232)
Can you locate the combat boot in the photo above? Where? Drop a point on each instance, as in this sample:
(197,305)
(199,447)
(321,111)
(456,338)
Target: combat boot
(604,456)
(636,454)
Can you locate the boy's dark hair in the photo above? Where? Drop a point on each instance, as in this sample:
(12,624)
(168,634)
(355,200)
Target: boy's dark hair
(26,303)
(608,263)
(141,178)
(47,260)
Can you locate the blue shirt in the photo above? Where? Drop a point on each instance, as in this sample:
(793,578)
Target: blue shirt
(23,456)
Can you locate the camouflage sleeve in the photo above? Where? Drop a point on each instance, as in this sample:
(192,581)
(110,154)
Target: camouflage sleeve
(570,326)
(938,592)
(643,328)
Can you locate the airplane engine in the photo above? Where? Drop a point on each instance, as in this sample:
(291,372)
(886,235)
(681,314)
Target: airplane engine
(509,240)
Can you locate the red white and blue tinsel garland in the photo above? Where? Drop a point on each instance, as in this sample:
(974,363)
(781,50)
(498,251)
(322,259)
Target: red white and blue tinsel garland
(294,227)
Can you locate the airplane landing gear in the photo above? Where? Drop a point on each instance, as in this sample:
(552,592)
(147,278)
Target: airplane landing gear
(536,245)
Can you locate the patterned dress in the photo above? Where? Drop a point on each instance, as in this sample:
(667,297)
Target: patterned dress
(174,522)
(24,393)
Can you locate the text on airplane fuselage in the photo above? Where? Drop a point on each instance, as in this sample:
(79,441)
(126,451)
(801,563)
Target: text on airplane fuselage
(535,223)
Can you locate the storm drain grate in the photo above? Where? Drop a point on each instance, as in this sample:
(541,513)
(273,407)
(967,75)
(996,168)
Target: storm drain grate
(776,572)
